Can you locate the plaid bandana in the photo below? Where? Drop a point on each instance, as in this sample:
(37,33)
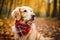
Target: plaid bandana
(22,29)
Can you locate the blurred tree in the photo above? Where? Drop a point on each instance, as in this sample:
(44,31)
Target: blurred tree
(37,8)
(58,9)
(2,3)
(26,2)
(48,9)
(11,2)
(21,2)
(54,13)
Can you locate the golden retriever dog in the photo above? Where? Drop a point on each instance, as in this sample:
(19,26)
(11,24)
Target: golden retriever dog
(24,28)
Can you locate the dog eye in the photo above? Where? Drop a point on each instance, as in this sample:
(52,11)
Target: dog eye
(25,10)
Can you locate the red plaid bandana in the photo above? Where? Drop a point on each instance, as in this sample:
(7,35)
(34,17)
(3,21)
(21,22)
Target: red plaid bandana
(22,29)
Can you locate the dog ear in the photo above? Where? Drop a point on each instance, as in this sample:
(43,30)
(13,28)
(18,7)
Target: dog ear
(16,14)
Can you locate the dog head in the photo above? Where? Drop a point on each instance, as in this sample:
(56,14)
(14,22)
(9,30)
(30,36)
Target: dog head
(23,13)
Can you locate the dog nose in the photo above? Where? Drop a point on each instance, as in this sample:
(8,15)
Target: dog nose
(32,16)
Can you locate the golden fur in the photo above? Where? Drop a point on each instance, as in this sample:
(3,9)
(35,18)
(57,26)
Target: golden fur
(19,14)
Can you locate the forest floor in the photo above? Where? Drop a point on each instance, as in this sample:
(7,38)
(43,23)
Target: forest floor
(49,27)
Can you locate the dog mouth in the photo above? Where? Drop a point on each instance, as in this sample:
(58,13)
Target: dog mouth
(29,21)
(32,17)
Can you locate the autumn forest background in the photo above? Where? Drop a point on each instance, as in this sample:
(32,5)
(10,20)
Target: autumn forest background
(47,17)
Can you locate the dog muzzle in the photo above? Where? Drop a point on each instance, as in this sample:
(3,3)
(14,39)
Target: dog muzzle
(22,29)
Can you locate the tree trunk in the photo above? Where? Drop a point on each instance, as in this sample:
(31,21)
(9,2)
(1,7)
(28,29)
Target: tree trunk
(48,10)
(54,13)
(59,11)
(10,8)
(2,3)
